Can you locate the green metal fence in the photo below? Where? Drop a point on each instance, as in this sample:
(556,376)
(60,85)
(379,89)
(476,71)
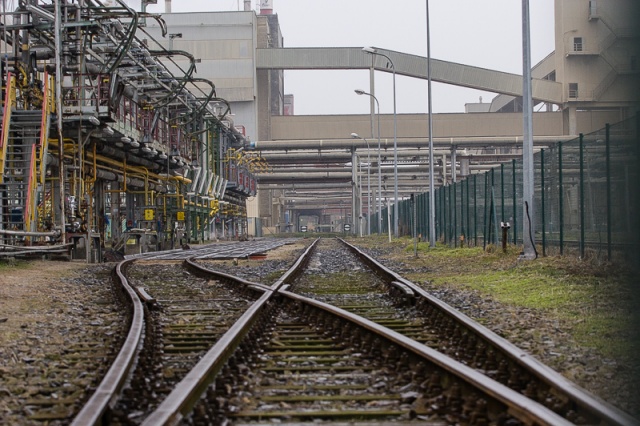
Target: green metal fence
(586,200)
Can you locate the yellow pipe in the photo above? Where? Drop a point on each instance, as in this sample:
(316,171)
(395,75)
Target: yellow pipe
(181,179)
(140,169)
(124,174)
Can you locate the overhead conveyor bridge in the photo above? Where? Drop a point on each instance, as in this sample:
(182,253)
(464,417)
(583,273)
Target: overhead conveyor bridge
(352,58)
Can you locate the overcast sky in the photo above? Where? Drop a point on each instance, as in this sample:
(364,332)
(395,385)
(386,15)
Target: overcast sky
(483,33)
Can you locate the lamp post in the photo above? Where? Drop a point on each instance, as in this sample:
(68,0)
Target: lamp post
(356,136)
(432,189)
(374,51)
(362,92)
(528,229)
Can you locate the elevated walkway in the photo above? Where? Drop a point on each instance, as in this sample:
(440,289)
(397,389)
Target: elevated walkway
(332,58)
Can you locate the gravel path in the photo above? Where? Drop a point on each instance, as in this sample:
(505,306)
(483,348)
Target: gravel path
(52,315)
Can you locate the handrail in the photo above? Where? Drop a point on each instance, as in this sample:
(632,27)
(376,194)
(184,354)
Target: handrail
(9,102)
(48,104)
(29,206)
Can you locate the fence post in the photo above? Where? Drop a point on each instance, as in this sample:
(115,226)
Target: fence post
(544,233)
(493,212)
(463,232)
(515,206)
(608,163)
(468,213)
(441,212)
(581,195)
(475,210)
(485,227)
(427,208)
(449,215)
(561,198)
(501,192)
(414,225)
(455,214)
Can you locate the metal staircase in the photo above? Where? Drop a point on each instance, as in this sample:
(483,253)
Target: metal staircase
(22,148)
(19,167)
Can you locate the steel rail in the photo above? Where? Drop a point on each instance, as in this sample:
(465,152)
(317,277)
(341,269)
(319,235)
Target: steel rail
(521,407)
(187,393)
(105,395)
(606,412)
(296,269)
(227,278)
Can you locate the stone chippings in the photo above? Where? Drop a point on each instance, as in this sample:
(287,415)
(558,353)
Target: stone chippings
(616,381)
(52,323)
(548,340)
(60,327)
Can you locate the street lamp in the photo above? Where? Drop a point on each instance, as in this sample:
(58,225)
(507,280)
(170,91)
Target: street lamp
(374,51)
(356,136)
(171,37)
(362,92)
(432,189)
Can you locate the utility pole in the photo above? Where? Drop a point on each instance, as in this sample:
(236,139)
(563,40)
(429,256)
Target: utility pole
(528,230)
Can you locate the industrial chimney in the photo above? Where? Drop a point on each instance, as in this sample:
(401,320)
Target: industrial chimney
(266,7)
(167,6)
(247,5)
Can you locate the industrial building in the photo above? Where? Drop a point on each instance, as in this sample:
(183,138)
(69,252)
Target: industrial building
(112,142)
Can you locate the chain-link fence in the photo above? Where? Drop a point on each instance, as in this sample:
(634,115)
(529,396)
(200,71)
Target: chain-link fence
(586,200)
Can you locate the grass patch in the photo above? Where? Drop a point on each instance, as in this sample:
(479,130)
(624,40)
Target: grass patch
(10,263)
(273,276)
(596,300)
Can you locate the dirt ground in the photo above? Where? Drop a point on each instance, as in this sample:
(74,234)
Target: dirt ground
(46,308)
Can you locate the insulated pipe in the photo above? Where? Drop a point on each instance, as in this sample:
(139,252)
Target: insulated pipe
(339,177)
(28,234)
(206,177)
(196,178)
(304,174)
(461,142)
(121,155)
(304,186)
(422,167)
(132,182)
(343,157)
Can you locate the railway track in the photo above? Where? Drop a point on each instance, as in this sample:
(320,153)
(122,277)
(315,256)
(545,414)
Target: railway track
(290,358)
(183,318)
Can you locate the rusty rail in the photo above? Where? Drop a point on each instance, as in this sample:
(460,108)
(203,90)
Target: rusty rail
(606,413)
(184,397)
(95,410)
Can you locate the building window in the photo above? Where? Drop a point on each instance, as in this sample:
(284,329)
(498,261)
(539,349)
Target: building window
(577,44)
(573,90)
